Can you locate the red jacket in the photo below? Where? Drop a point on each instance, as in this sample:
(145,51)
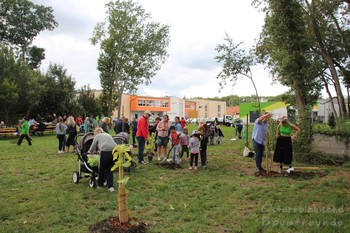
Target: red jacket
(142,128)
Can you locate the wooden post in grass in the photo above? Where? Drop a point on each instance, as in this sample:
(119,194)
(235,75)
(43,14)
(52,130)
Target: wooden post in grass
(122,204)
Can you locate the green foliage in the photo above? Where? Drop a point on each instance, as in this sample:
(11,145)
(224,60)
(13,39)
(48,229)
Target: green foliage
(132,48)
(88,102)
(342,129)
(286,47)
(236,63)
(21,21)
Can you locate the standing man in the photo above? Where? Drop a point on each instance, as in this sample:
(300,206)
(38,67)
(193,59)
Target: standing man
(259,137)
(134,130)
(142,135)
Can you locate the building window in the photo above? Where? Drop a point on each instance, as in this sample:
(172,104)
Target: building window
(142,102)
(219,110)
(150,103)
(158,103)
(165,104)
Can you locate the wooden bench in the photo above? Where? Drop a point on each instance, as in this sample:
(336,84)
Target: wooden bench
(8,132)
(50,129)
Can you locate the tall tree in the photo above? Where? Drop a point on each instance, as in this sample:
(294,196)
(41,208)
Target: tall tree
(21,21)
(285,45)
(59,95)
(132,48)
(89,103)
(331,40)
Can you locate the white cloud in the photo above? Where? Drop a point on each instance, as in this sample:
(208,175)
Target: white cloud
(196,27)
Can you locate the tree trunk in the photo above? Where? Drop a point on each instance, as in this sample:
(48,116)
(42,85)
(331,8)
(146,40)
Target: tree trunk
(122,201)
(330,98)
(120,94)
(328,58)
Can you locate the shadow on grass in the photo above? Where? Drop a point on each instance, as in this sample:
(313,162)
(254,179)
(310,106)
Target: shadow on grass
(296,175)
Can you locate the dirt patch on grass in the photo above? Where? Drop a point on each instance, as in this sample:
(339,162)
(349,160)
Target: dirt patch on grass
(112,225)
(169,165)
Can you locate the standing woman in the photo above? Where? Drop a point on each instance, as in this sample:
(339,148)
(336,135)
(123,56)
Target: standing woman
(61,135)
(105,143)
(284,149)
(71,131)
(105,124)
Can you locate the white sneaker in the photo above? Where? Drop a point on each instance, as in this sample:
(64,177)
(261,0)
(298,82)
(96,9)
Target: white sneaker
(158,158)
(190,168)
(195,168)
(111,189)
(59,152)
(290,169)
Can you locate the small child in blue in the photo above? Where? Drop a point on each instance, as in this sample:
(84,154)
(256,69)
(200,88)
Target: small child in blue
(194,147)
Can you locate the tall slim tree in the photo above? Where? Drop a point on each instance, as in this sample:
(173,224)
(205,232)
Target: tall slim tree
(236,63)
(132,48)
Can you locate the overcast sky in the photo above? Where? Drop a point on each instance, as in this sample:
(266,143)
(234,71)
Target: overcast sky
(196,28)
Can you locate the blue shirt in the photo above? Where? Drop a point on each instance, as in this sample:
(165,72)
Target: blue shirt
(178,127)
(259,131)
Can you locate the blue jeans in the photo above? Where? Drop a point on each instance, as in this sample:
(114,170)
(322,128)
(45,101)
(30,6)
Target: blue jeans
(141,147)
(259,152)
(61,141)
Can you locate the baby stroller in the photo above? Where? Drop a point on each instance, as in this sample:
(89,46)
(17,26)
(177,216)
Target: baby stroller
(85,169)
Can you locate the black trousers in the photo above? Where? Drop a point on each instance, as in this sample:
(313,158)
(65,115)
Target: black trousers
(29,140)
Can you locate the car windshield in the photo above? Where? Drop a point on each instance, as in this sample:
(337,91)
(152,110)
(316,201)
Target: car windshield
(229,118)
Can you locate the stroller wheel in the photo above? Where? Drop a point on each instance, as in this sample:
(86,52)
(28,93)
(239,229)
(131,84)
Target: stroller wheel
(75,177)
(92,182)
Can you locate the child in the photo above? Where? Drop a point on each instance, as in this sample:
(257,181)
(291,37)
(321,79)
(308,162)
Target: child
(220,135)
(185,139)
(24,132)
(175,145)
(204,132)
(212,135)
(194,146)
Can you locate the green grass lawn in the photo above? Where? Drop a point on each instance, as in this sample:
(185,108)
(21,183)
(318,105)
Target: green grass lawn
(38,195)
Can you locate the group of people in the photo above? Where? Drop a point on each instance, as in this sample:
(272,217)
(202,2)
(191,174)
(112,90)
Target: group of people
(177,136)
(283,153)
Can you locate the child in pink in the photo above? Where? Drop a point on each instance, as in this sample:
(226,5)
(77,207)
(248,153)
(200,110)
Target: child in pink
(185,140)
(194,146)
(175,145)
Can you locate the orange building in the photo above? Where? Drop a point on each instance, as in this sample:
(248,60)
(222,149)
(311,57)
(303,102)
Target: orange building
(157,105)
(191,109)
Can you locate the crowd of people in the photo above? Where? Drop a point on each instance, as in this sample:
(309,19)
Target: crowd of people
(174,135)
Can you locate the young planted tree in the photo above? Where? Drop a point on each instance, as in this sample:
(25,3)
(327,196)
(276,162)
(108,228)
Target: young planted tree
(132,48)
(236,63)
